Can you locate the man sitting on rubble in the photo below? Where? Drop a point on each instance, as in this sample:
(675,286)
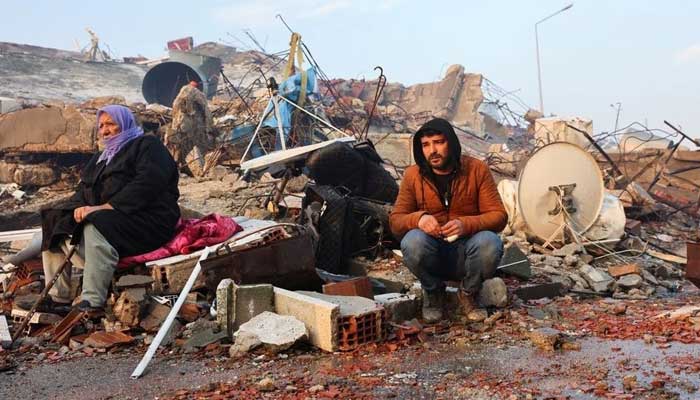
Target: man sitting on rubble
(125,204)
(448,212)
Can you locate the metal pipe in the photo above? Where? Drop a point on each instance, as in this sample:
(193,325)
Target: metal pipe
(257,130)
(173,313)
(328,124)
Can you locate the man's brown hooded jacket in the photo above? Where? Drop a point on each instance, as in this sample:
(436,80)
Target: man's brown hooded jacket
(475,200)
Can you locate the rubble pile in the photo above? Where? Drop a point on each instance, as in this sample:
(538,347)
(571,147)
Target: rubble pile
(316,267)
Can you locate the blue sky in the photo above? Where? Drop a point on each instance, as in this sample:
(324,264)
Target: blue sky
(643,54)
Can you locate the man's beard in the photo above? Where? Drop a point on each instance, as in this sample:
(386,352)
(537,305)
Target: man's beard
(444,164)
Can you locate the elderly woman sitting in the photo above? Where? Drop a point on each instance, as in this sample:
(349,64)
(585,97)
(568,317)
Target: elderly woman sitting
(125,204)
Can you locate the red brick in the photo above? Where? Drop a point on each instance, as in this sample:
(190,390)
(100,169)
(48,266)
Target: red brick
(353,287)
(624,269)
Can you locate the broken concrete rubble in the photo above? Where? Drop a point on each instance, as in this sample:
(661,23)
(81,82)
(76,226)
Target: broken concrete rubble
(400,307)
(319,316)
(236,305)
(276,332)
(630,281)
(244,342)
(598,279)
(130,305)
(630,274)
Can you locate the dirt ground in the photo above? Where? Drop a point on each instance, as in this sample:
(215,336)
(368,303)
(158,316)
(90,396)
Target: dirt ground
(617,355)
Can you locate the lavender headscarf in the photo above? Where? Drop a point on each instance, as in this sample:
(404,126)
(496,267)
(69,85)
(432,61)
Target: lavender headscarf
(129,130)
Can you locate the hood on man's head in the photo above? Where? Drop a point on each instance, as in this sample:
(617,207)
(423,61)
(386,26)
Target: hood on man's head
(436,125)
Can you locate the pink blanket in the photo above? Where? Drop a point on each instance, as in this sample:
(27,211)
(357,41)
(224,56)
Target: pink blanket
(190,235)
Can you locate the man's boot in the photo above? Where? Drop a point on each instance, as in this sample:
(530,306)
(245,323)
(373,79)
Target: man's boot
(432,306)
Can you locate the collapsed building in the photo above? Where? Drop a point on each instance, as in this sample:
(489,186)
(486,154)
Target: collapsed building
(320,222)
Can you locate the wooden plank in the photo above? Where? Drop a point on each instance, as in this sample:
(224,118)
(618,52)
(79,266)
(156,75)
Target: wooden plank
(5,336)
(667,257)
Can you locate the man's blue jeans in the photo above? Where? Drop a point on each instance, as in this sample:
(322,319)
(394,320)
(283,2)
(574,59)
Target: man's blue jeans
(434,261)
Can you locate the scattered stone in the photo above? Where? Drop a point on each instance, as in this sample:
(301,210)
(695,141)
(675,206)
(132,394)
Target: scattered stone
(290,388)
(219,172)
(586,258)
(672,286)
(536,258)
(552,261)
(245,342)
(266,385)
(546,338)
(630,281)
(493,318)
(571,346)
(649,277)
(230,178)
(105,340)
(579,282)
(477,315)
(239,185)
(565,281)
(493,293)
(276,332)
(681,313)
(315,389)
(533,292)
(619,308)
(515,263)
(202,338)
(568,250)
(629,382)
(571,260)
(156,314)
(598,279)
(663,271)
(297,184)
(636,294)
(129,306)
(134,281)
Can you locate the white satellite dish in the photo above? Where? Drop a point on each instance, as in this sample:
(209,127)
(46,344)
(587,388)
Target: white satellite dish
(560,187)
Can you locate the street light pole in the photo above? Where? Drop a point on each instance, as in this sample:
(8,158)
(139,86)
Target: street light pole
(537,50)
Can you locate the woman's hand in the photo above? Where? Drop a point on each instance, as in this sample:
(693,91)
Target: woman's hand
(80,213)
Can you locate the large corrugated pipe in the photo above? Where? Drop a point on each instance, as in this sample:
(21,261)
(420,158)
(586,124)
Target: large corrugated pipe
(163,82)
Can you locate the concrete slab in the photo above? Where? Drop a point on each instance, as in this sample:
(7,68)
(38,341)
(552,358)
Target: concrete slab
(319,316)
(276,332)
(238,304)
(349,305)
(401,307)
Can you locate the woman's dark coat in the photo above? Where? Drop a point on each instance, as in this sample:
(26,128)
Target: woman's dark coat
(140,183)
